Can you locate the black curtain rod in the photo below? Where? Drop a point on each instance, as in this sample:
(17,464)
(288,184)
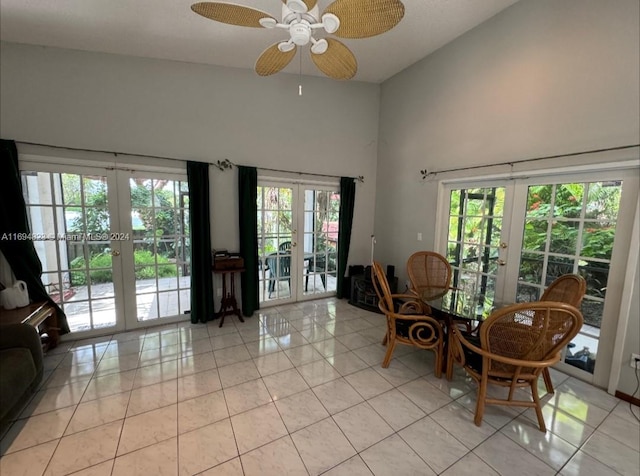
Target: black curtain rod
(220,164)
(425,173)
(227,164)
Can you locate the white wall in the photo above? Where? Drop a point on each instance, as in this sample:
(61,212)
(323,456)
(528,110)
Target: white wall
(540,78)
(196,112)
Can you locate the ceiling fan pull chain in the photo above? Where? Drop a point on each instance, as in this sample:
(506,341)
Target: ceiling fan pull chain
(300,75)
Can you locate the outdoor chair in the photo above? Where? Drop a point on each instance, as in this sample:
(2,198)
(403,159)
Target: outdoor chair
(406,322)
(279,267)
(516,343)
(285,246)
(318,264)
(570,289)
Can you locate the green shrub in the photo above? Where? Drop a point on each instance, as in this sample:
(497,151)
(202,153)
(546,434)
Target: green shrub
(104,260)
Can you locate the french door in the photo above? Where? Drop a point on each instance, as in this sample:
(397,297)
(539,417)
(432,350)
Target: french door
(508,240)
(297,240)
(113,244)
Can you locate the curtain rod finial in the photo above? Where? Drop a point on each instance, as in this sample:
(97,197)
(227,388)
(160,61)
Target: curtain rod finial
(224,164)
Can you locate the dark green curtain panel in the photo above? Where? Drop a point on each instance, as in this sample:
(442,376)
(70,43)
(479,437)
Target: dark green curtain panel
(248,221)
(347,201)
(20,254)
(200,236)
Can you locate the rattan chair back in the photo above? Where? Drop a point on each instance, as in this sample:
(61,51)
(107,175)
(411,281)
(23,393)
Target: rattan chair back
(528,332)
(568,288)
(429,272)
(517,343)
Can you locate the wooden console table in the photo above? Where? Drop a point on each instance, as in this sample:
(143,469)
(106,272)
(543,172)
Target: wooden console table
(41,315)
(228,305)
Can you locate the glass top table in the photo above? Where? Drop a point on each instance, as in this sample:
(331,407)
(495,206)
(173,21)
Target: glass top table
(458,303)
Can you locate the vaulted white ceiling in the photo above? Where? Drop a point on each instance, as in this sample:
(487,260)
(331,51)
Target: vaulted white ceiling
(168,29)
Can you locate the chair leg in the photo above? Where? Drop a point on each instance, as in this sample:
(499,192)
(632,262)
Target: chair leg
(272,286)
(449,369)
(385,339)
(438,370)
(324,281)
(387,357)
(482,394)
(546,375)
(536,399)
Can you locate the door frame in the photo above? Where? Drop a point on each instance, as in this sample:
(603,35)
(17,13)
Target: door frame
(126,247)
(279,183)
(443,213)
(298,187)
(81,162)
(627,170)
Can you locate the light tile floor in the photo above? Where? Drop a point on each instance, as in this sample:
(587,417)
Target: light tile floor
(295,390)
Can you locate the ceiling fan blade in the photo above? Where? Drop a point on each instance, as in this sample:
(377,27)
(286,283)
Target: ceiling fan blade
(230,13)
(273,60)
(309,3)
(365,18)
(337,62)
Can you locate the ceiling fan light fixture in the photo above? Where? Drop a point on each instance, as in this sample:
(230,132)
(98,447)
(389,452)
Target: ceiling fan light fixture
(330,22)
(297,6)
(319,47)
(300,33)
(268,22)
(286,46)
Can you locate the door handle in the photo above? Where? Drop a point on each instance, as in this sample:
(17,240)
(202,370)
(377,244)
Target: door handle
(115,253)
(502,262)
(503,245)
(293,244)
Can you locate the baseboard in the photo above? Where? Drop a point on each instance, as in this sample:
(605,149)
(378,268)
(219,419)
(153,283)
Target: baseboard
(628,398)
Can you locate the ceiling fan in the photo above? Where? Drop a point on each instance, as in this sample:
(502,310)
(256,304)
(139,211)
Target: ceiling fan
(301,19)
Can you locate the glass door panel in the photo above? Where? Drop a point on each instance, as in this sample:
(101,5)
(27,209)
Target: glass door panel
(276,240)
(70,220)
(559,226)
(160,246)
(570,228)
(320,241)
(297,265)
(475,241)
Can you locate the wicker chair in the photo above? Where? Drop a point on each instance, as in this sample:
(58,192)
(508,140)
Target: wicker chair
(429,274)
(430,278)
(516,344)
(406,322)
(570,289)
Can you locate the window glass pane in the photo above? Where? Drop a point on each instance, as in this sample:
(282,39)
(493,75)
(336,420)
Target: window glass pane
(597,240)
(535,235)
(564,237)
(496,231)
(454,207)
(568,200)
(539,200)
(454,228)
(603,200)
(531,268)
